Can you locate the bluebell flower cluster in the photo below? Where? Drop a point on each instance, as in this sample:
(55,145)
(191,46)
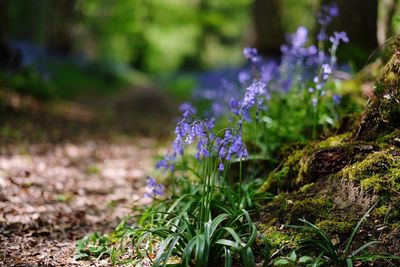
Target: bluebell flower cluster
(155,188)
(191,130)
(335,39)
(325,17)
(252,54)
(231,144)
(298,59)
(303,65)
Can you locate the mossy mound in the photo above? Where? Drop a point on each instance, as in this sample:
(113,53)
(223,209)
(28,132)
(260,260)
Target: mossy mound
(333,182)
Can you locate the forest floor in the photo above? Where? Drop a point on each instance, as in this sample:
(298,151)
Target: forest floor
(68,169)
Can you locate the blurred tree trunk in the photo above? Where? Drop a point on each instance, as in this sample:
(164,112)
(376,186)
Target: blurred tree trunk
(268,28)
(8,57)
(61,15)
(358,18)
(3,48)
(387,10)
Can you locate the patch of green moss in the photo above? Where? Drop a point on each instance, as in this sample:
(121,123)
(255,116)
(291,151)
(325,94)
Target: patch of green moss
(335,227)
(308,208)
(388,138)
(381,211)
(379,171)
(277,237)
(306,188)
(281,179)
(374,164)
(333,141)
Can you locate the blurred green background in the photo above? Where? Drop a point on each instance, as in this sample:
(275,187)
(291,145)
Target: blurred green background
(63,47)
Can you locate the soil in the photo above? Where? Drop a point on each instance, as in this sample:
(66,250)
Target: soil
(68,169)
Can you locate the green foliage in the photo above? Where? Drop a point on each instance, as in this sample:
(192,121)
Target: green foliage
(208,223)
(27,81)
(293,261)
(66,80)
(143,32)
(343,255)
(92,245)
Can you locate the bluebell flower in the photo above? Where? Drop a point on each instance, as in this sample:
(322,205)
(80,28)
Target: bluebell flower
(235,106)
(221,167)
(336,99)
(314,101)
(155,188)
(326,71)
(252,54)
(324,18)
(339,36)
(244,77)
(335,40)
(254,95)
(327,13)
(300,37)
(238,148)
(186,106)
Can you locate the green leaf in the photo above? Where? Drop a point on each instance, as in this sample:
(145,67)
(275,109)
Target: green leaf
(80,256)
(247,257)
(305,259)
(228,243)
(355,230)
(281,262)
(363,247)
(349,262)
(293,256)
(228,257)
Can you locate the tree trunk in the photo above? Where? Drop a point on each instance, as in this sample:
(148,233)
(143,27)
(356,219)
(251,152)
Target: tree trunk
(60,15)
(268,29)
(358,18)
(383,112)
(8,57)
(387,9)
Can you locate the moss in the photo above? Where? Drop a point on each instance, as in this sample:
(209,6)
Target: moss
(281,179)
(379,171)
(335,227)
(382,113)
(309,208)
(375,182)
(374,164)
(381,211)
(277,237)
(306,188)
(333,141)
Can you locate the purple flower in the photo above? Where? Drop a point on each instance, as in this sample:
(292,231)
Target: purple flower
(327,13)
(254,94)
(322,36)
(187,109)
(336,99)
(155,188)
(165,163)
(238,148)
(333,10)
(235,106)
(337,37)
(221,167)
(326,71)
(299,38)
(244,77)
(252,54)
(314,102)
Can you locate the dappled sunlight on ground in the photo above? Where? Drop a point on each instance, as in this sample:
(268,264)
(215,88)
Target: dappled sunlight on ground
(64,174)
(52,195)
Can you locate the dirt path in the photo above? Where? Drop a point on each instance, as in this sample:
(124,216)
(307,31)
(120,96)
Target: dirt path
(52,193)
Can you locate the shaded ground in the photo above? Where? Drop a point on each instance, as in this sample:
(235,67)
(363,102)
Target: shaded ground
(68,169)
